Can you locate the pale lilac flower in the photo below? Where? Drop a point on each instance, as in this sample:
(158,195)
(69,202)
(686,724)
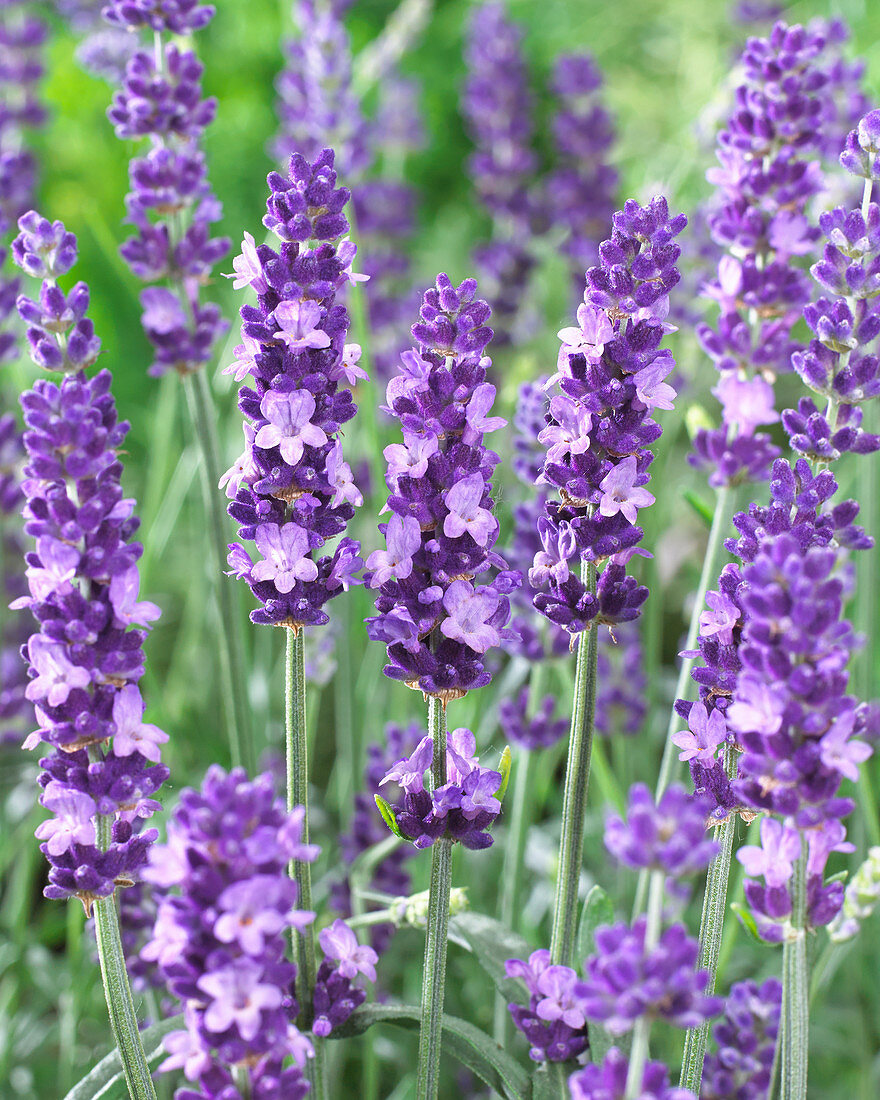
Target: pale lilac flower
(720,619)
(299,325)
(748,403)
(244,469)
(479,791)
(651,389)
(340,477)
(346,251)
(555,986)
(124,589)
(185,1052)
(706,733)
(290,427)
(248,271)
(775,858)
(560,546)
(403,537)
(469,612)
(571,435)
(132,733)
(57,676)
(411,456)
(238,996)
(757,708)
(250,914)
(465,514)
(72,824)
(839,752)
(340,943)
(245,358)
(590,338)
(348,365)
(478,423)
(284,550)
(409,773)
(621,493)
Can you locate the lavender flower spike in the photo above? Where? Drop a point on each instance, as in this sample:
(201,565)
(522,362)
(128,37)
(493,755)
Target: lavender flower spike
(292,490)
(437,623)
(87,657)
(599,427)
(219,936)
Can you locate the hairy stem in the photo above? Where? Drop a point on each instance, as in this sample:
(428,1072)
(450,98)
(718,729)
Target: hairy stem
(230,646)
(577,779)
(300,871)
(434,974)
(795,991)
(117,988)
(711,934)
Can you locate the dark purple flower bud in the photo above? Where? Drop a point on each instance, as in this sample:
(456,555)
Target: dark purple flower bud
(540,731)
(746,1038)
(554,1022)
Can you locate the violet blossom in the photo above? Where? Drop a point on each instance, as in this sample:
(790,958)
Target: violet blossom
(292,490)
(170,204)
(219,937)
(87,656)
(437,621)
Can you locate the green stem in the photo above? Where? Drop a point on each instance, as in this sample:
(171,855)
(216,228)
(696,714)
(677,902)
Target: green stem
(513,875)
(795,991)
(117,988)
(233,675)
(298,795)
(436,939)
(641,1032)
(711,935)
(577,779)
(720,520)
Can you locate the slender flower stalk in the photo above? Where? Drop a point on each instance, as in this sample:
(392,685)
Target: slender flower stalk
(598,434)
(297,761)
(577,779)
(711,930)
(438,625)
(85,661)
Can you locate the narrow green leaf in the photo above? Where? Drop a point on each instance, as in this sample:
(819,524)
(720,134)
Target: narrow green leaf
(492,944)
(748,922)
(504,768)
(598,909)
(464,1042)
(705,511)
(388,817)
(106,1080)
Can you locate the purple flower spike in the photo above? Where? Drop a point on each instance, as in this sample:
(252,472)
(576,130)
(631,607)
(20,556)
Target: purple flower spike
(86,658)
(608,1081)
(668,837)
(746,1037)
(293,491)
(220,931)
(464,809)
(623,982)
(599,430)
(170,203)
(438,624)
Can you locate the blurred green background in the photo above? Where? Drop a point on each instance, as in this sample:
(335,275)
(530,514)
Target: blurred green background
(668,66)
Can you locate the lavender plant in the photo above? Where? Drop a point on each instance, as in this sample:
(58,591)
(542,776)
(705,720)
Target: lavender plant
(86,658)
